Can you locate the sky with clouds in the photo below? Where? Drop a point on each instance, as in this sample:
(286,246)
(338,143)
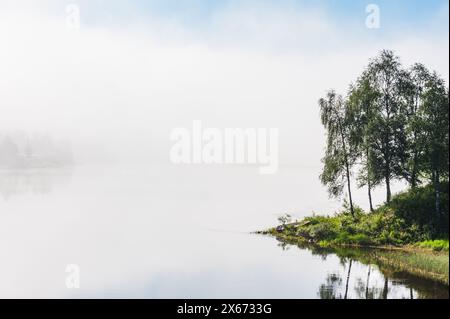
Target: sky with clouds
(134,70)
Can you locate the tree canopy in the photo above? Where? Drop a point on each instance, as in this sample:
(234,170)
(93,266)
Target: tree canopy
(391,125)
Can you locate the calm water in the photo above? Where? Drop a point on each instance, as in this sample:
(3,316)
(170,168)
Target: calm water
(174,232)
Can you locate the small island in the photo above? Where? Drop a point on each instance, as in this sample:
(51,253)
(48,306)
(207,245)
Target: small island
(391,126)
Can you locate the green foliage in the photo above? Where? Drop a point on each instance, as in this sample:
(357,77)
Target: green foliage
(420,262)
(406,220)
(324,228)
(417,208)
(415,85)
(394,124)
(437,245)
(385,128)
(435,123)
(428,265)
(339,155)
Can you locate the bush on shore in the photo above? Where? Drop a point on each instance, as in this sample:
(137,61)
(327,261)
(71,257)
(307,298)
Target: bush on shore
(409,219)
(436,245)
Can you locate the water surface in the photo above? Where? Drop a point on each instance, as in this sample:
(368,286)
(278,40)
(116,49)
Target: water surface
(142,231)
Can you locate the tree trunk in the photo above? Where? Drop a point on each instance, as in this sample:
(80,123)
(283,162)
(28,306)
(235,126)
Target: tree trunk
(413,177)
(387,174)
(352,211)
(369,191)
(437,194)
(388,189)
(369,184)
(347,170)
(413,182)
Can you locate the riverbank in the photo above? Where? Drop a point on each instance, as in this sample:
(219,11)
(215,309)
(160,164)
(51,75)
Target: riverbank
(403,234)
(421,262)
(428,260)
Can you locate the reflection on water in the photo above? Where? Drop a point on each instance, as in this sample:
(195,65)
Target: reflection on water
(361,278)
(336,288)
(31,181)
(147,232)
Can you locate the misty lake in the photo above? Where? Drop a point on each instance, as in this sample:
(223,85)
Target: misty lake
(141,231)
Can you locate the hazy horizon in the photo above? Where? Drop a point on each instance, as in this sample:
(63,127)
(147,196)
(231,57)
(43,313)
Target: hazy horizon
(117,85)
(90,93)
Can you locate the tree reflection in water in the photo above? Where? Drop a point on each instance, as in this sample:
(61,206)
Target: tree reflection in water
(31,181)
(362,277)
(330,290)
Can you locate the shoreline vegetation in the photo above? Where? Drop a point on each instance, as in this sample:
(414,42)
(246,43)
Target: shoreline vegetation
(424,269)
(390,236)
(392,125)
(407,260)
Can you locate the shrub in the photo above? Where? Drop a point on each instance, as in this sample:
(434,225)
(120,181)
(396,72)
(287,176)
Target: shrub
(323,231)
(360,239)
(407,219)
(438,245)
(417,207)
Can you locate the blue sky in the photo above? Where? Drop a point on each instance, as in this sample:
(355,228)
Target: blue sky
(282,24)
(395,13)
(403,9)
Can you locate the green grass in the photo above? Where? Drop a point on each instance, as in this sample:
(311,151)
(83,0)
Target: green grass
(411,259)
(422,264)
(409,219)
(436,245)
(376,229)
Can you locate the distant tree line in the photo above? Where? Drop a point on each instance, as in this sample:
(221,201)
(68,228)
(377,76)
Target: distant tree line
(21,150)
(392,125)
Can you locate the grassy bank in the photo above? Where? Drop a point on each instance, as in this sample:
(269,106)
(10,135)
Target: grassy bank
(401,262)
(424,260)
(408,235)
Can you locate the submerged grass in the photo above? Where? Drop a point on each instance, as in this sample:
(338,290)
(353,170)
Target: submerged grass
(417,261)
(422,264)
